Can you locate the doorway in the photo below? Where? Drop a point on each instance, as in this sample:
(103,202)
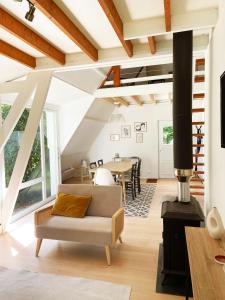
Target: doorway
(165,135)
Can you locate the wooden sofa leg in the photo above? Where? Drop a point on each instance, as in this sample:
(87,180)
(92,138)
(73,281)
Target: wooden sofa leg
(108,255)
(120,239)
(38,246)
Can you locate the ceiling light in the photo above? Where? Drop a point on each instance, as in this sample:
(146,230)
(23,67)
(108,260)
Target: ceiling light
(116,116)
(30,14)
(18,0)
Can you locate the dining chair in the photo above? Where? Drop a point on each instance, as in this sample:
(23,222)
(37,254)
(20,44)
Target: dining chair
(103,177)
(93,165)
(137,177)
(100,162)
(130,181)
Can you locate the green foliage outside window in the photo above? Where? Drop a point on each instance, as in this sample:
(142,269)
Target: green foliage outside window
(168,135)
(32,194)
(33,169)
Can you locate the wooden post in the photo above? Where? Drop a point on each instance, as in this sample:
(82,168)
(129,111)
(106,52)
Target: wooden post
(116,79)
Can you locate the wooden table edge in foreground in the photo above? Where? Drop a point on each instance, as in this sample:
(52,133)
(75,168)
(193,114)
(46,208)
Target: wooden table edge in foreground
(207,276)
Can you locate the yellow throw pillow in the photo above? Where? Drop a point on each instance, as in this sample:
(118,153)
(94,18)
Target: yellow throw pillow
(69,205)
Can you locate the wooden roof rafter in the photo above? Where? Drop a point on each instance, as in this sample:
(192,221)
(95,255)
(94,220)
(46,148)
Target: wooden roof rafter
(17,55)
(167,11)
(18,29)
(116,76)
(60,19)
(151,39)
(138,100)
(121,101)
(152,44)
(117,24)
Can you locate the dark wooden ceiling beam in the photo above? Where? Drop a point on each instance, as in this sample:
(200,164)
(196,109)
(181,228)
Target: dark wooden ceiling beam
(116,78)
(117,24)
(152,44)
(24,33)
(17,55)
(106,77)
(167,11)
(60,19)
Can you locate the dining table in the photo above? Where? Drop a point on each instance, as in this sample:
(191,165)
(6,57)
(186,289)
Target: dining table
(118,168)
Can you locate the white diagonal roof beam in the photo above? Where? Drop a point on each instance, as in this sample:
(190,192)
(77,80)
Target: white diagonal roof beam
(26,146)
(12,86)
(16,110)
(181,22)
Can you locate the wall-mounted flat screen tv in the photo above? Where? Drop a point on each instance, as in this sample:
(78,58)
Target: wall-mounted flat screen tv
(222,108)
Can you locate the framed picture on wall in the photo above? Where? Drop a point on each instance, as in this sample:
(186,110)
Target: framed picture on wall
(140,126)
(139,137)
(114,137)
(125,131)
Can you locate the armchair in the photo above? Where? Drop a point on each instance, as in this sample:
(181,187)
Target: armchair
(102,225)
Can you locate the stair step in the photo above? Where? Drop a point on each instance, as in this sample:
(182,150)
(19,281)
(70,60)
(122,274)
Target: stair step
(198,164)
(197,110)
(198,172)
(198,145)
(200,62)
(200,78)
(197,179)
(198,134)
(198,155)
(197,193)
(197,187)
(198,123)
(198,96)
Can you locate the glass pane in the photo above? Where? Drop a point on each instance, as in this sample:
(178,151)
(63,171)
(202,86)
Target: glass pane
(13,144)
(168,135)
(28,196)
(50,148)
(47,156)
(5,108)
(33,169)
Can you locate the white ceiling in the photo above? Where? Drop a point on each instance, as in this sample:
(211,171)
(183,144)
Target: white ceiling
(142,9)
(41,24)
(10,69)
(90,18)
(18,43)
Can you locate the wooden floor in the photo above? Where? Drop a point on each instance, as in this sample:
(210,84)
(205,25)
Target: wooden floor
(133,263)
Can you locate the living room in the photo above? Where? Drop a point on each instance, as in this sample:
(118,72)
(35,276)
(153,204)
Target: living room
(89,81)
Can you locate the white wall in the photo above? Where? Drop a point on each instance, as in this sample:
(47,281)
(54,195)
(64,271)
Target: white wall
(69,116)
(216,153)
(103,148)
(91,123)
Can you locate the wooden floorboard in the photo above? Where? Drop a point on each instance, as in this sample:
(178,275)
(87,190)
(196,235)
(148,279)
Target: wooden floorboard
(133,263)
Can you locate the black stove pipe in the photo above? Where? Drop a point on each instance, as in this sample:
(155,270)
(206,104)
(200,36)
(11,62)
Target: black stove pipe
(182,111)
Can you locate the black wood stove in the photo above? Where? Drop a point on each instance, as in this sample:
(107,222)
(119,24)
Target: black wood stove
(176,216)
(183,210)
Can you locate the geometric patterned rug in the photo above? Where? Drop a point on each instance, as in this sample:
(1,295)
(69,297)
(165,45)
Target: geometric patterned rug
(139,207)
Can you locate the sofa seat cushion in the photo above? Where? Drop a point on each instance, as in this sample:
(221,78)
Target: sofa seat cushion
(90,229)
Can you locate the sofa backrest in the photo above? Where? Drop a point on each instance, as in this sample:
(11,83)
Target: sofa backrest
(106,200)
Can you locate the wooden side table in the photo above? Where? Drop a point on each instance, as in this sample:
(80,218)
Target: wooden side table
(207,276)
